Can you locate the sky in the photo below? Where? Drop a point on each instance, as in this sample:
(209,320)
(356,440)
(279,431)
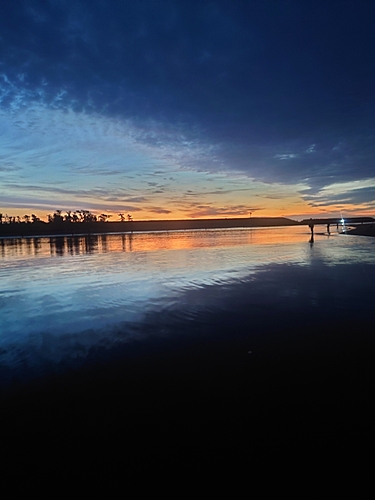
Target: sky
(169,109)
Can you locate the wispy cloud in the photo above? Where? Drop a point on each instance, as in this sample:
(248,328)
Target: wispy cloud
(221,211)
(159,210)
(116,100)
(360,193)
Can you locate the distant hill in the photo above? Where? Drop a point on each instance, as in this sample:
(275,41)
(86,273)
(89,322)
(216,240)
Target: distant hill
(72,228)
(338,220)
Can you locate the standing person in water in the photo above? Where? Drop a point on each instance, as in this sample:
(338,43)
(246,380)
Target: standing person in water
(311,226)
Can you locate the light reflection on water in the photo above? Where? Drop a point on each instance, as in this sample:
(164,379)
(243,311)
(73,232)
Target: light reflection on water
(60,296)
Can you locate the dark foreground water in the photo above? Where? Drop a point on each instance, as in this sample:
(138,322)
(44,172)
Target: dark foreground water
(188,345)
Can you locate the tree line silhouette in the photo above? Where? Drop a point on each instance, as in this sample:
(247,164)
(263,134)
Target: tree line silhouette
(59,218)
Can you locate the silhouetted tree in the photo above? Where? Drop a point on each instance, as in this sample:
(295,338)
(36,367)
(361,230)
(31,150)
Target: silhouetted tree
(122,217)
(56,218)
(130,218)
(87,216)
(68,216)
(34,218)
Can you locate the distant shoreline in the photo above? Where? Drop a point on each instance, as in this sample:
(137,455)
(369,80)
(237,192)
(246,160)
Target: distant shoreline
(42,229)
(364,226)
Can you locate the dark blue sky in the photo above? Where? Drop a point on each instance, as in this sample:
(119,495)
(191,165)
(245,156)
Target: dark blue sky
(187,108)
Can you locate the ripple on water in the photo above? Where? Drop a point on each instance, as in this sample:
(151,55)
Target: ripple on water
(57,308)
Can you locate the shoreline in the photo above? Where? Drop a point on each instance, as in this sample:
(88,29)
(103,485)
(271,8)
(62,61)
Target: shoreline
(42,229)
(364,226)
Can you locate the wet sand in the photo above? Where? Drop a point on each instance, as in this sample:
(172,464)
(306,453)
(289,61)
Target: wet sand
(201,404)
(363,230)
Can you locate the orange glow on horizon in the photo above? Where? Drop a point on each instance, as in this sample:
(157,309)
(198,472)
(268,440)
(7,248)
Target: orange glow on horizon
(298,209)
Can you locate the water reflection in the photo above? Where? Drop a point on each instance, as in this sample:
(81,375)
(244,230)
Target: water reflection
(76,245)
(59,246)
(271,242)
(63,245)
(12,247)
(60,297)
(47,334)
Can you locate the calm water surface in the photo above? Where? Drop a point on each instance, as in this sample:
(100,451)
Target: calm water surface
(64,298)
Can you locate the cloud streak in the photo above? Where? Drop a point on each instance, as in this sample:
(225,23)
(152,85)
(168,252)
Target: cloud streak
(277,96)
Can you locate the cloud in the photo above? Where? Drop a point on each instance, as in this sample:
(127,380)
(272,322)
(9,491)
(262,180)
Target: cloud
(360,193)
(287,156)
(158,210)
(96,171)
(53,189)
(130,90)
(85,133)
(231,211)
(9,168)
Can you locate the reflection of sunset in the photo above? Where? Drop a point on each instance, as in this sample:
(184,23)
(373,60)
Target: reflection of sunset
(89,285)
(148,242)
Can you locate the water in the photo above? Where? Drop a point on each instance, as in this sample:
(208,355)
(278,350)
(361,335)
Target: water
(65,300)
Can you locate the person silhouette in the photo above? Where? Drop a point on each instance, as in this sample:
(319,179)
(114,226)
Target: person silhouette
(311,226)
